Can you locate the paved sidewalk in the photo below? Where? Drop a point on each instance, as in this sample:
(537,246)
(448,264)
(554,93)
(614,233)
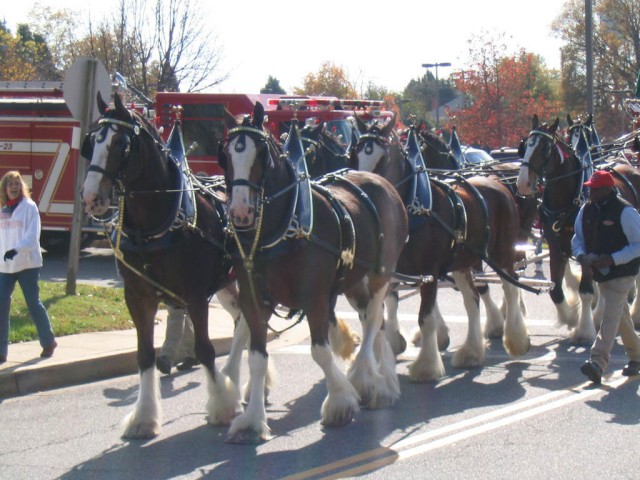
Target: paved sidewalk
(94,356)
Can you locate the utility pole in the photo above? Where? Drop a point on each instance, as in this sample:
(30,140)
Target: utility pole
(436,65)
(588,33)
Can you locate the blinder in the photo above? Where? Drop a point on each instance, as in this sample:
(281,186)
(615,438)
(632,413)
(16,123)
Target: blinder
(124,145)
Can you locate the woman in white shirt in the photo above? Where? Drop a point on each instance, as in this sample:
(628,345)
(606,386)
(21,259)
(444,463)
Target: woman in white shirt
(20,242)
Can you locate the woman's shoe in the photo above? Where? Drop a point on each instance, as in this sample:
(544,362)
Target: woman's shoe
(48,351)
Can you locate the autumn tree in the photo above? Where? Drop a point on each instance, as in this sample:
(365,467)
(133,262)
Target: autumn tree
(616,47)
(502,92)
(157,45)
(330,80)
(25,56)
(418,101)
(272,86)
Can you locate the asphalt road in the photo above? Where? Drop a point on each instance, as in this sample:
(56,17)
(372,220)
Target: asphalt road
(533,417)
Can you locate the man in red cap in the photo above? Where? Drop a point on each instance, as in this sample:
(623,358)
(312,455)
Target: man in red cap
(607,240)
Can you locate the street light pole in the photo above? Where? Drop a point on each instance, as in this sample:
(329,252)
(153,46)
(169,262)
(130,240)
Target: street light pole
(436,65)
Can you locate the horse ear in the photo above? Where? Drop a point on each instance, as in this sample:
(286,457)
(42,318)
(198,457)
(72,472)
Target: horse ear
(102,105)
(117,101)
(362,127)
(535,122)
(569,119)
(258,115)
(554,125)
(388,128)
(229,120)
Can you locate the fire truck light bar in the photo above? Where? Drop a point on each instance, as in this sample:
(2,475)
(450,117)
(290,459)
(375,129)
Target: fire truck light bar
(318,103)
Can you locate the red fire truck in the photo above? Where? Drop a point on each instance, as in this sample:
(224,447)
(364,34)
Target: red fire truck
(40,138)
(203,118)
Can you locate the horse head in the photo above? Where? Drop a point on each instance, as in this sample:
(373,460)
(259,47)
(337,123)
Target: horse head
(324,151)
(109,147)
(536,155)
(246,157)
(373,147)
(437,153)
(578,129)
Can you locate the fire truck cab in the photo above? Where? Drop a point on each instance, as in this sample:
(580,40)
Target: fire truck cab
(40,138)
(203,124)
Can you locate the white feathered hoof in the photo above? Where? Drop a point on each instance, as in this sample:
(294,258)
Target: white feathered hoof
(582,338)
(373,389)
(516,346)
(468,357)
(568,314)
(516,339)
(419,372)
(245,430)
(494,331)
(140,429)
(339,410)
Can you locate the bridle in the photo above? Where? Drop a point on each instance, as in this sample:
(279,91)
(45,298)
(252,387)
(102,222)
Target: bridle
(551,142)
(130,139)
(262,140)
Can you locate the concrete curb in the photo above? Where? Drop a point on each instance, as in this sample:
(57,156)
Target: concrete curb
(38,377)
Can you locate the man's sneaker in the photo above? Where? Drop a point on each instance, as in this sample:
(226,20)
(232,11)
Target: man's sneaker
(592,371)
(163,363)
(631,368)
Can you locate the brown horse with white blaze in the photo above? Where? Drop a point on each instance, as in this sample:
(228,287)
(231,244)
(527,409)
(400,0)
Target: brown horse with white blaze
(453,226)
(301,244)
(163,252)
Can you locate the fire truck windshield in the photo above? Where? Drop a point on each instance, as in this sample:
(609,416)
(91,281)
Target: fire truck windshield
(342,129)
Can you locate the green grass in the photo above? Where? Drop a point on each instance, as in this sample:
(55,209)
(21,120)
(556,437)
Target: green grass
(91,309)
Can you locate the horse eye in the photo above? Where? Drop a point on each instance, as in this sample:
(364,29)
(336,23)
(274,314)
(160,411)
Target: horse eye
(532,142)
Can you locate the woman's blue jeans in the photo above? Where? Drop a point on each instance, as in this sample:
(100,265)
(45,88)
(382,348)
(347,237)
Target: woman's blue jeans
(28,280)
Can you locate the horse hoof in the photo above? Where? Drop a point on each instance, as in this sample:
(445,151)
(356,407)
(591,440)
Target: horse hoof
(246,437)
(398,343)
(163,363)
(495,333)
(142,431)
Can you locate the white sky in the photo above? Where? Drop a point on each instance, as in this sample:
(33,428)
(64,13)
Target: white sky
(384,42)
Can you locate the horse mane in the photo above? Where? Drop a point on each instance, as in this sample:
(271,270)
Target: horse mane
(148,126)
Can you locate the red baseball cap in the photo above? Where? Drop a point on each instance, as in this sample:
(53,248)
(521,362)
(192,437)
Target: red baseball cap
(599,179)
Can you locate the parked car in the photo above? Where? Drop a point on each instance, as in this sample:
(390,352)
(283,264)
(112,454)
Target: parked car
(476,156)
(505,154)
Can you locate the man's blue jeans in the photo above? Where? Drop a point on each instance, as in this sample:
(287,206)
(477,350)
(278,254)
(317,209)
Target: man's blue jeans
(28,280)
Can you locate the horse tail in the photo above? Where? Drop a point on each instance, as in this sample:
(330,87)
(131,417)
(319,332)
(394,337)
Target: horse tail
(343,339)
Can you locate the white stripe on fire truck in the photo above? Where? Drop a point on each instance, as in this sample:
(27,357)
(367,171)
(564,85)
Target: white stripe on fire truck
(53,179)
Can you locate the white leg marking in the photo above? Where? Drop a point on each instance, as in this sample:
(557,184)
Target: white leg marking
(342,400)
(146,418)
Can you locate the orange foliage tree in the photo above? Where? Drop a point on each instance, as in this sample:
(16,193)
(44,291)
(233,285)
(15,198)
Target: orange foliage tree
(330,80)
(501,95)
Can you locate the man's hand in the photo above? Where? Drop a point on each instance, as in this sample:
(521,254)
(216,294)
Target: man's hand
(9,254)
(603,261)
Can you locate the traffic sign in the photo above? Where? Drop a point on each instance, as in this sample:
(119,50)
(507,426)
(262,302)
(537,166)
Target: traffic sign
(86,73)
